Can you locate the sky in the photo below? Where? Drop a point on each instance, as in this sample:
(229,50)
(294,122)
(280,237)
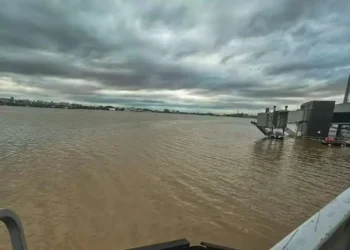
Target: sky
(199,55)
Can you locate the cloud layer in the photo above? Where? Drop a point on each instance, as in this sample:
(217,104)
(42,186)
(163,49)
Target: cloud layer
(222,55)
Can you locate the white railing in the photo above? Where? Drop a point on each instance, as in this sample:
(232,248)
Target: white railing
(329,228)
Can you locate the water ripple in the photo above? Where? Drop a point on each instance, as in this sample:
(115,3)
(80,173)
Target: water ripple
(119,179)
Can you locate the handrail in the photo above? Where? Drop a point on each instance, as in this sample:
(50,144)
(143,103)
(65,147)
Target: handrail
(329,228)
(15,229)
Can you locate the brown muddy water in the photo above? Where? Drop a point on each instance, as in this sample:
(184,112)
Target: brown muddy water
(113,180)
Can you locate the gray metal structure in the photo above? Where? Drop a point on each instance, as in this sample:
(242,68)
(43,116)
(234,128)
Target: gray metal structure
(15,229)
(313,119)
(347,90)
(268,121)
(280,119)
(317,118)
(345,101)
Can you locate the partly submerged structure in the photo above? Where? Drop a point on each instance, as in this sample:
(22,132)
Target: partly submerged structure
(313,119)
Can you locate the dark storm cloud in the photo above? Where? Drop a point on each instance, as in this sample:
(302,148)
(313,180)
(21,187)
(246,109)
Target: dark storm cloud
(217,52)
(307,65)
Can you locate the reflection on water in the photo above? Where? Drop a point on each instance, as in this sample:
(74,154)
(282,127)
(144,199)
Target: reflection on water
(100,180)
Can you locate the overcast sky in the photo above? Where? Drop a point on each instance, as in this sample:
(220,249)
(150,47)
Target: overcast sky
(219,55)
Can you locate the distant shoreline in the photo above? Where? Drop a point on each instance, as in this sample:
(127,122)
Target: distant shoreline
(11,102)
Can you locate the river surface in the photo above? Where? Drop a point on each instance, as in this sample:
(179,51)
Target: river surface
(113,180)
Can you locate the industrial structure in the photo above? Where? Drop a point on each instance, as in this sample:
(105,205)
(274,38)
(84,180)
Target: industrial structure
(313,119)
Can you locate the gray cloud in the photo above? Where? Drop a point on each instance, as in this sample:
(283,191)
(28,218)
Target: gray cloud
(211,54)
(308,65)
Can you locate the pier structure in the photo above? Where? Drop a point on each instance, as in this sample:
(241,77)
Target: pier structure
(313,119)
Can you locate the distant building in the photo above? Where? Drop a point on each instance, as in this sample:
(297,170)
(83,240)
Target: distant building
(12,99)
(130,109)
(64,104)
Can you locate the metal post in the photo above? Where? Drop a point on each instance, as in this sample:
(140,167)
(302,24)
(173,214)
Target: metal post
(338,133)
(273,118)
(346,96)
(15,229)
(345,100)
(286,109)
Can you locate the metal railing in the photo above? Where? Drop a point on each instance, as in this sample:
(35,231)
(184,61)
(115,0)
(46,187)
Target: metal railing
(14,226)
(328,229)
